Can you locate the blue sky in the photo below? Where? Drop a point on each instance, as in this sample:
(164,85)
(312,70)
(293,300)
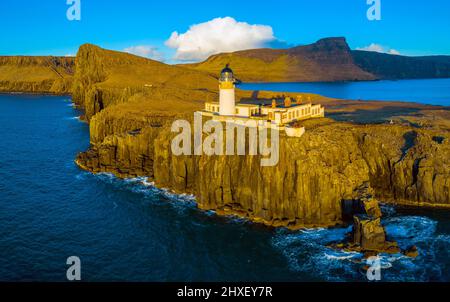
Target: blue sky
(41,27)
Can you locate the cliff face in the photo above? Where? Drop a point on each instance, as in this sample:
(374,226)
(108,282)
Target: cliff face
(326,60)
(36,74)
(414,170)
(387,66)
(315,176)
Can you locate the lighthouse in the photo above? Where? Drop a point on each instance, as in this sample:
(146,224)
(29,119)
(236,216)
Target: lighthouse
(227,104)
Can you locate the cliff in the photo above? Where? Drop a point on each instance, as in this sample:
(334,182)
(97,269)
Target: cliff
(315,176)
(104,78)
(386,66)
(36,74)
(326,60)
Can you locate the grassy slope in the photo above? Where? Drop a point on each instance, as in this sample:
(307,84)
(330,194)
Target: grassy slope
(106,78)
(144,87)
(36,74)
(326,60)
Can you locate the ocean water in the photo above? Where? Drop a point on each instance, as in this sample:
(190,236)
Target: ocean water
(428,91)
(128,230)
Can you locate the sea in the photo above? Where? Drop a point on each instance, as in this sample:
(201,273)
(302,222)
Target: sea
(129,230)
(423,91)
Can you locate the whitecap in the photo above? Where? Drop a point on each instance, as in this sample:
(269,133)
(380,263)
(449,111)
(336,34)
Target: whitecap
(142,185)
(338,255)
(409,230)
(74,118)
(306,251)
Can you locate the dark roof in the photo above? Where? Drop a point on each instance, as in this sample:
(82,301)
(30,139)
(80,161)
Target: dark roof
(227,69)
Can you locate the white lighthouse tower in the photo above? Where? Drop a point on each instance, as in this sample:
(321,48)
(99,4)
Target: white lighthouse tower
(227,104)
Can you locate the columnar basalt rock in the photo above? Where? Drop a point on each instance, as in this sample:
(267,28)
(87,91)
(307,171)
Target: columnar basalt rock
(315,173)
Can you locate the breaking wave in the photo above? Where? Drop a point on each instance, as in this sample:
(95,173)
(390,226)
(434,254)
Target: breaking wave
(307,252)
(77,118)
(141,185)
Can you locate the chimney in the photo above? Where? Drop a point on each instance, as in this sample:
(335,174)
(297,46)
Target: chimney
(287,102)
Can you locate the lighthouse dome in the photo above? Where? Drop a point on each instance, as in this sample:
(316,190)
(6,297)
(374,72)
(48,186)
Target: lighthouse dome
(227,74)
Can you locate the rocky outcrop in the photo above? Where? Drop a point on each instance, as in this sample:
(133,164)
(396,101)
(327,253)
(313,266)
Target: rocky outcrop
(369,236)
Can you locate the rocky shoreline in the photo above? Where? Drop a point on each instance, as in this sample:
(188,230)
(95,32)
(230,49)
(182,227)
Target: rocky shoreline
(316,173)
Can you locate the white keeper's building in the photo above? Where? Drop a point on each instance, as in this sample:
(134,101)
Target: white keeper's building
(274,115)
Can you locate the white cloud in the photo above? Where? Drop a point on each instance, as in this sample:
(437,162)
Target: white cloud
(379,48)
(393,52)
(216,36)
(146,51)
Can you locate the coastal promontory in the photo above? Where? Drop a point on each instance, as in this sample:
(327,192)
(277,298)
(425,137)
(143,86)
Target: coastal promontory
(398,150)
